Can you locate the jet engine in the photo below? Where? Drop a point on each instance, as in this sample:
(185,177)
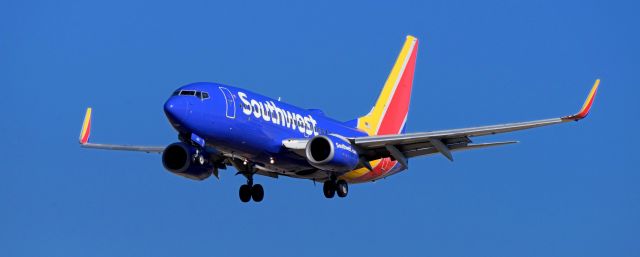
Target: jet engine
(331,153)
(184,160)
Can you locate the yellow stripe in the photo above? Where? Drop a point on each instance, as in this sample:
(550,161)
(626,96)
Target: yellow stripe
(370,122)
(85,123)
(591,95)
(359,172)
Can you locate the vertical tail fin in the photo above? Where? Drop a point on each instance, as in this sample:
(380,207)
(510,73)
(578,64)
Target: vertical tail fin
(389,114)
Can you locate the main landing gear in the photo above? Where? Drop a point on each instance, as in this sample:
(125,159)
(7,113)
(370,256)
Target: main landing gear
(331,187)
(250,191)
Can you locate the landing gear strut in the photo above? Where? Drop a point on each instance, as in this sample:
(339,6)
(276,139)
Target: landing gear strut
(331,187)
(250,191)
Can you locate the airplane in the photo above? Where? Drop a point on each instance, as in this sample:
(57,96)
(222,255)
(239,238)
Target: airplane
(219,126)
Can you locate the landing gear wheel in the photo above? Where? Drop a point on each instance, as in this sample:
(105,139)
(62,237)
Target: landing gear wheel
(342,188)
(245,193)
(257,193)
(329,189)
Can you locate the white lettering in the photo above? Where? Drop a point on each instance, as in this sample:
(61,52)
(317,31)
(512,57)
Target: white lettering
(269,111)
(256,106)
(313,126)
(275,118)
(307,126)
(346,147)
(246,105)
(265,112)
(291,120)
(300,122)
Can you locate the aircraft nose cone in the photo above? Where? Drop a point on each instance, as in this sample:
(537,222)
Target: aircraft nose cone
(176,110)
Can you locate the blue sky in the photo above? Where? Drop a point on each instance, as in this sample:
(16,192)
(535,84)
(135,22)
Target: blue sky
(568,190)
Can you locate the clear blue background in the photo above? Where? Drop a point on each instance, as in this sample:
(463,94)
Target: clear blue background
(568,190)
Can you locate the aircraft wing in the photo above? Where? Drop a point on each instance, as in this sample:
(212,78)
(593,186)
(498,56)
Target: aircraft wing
(86,131)
(403,146)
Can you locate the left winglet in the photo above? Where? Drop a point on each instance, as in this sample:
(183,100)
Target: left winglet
(86,131)
(86,127)
(586,107)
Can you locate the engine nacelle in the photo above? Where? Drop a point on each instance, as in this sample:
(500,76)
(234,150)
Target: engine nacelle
(179,158)
(331,153)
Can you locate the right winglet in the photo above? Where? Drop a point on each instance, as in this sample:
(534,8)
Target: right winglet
(86,127)
(586,107)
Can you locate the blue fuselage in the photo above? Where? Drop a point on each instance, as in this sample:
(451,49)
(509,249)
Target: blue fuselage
(248,125)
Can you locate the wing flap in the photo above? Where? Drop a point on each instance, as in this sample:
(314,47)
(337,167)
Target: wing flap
(414,138)
(454,148)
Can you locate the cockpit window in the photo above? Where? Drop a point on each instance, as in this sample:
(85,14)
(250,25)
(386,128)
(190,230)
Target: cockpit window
(199,94)
(187,92)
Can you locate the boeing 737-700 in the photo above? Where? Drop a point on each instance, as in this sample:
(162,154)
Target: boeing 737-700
(220,126)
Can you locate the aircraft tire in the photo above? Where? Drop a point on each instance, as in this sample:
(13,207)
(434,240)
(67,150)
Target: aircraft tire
(257,193)
(342,188)
(329,189)
(245,193)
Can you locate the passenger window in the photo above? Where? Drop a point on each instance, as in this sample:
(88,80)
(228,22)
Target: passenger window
(199,94)
(205,95)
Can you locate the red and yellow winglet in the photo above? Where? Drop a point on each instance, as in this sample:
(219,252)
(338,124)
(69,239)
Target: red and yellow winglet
(86,127)
(587,104)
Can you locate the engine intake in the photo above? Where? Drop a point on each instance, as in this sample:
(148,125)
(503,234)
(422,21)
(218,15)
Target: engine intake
(179,158)
(331,153)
